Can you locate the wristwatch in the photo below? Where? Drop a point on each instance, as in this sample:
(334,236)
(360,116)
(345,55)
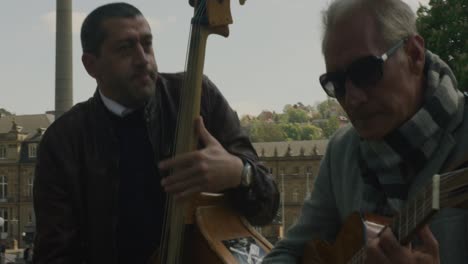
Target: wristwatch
(246,176)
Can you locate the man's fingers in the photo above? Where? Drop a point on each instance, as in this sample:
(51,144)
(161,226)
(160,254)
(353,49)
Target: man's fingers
(181,186)
(391,247)
(204,134)
(181,161)
(430,244)
(194,172)
(374,253)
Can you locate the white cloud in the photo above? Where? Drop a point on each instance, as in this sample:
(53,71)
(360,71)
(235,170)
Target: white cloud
(77,19)
(155,24)
(247,108)
(171,19)
(414,4)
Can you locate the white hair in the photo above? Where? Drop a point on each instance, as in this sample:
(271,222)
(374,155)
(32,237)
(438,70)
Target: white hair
(394,19)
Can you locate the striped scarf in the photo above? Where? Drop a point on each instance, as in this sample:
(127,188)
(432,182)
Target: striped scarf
(388,166)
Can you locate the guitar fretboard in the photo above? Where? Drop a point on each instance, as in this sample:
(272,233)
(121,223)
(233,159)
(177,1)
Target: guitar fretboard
(445,190)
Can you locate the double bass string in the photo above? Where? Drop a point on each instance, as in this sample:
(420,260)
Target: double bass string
(173,223)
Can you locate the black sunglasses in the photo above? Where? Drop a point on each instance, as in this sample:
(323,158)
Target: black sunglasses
(363,72)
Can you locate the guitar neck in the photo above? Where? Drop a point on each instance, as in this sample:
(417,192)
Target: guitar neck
(445,190)
(417,212)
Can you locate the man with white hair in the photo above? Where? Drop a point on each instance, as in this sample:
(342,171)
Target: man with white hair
(409,122)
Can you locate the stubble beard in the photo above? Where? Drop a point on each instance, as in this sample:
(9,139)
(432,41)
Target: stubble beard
(135,94)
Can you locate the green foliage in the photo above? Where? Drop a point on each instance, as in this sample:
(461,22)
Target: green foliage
(444,26)
(296,115)
(329,108)
(297,122)
(292,131)
(266,132)
(310,132)
(3,111)
(330,126)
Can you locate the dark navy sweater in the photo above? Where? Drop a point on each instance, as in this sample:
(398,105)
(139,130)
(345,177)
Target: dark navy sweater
(141,198)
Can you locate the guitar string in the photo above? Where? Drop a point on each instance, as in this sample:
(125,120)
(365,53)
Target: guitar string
(360,256)
(445,180)
(420,212)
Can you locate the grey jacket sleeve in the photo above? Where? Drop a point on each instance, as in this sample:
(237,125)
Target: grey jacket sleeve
(319,219)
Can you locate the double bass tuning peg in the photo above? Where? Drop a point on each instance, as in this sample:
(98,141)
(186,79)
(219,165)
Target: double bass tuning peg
(192,2)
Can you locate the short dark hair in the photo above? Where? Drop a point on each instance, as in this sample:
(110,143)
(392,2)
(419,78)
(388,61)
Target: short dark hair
(92,35)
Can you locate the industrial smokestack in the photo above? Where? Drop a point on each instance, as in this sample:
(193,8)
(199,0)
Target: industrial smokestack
(63,58)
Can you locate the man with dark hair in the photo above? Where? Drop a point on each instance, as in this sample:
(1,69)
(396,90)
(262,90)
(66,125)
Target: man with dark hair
(409,123)
(99,190)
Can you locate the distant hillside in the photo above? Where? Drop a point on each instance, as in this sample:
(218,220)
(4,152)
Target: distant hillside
(4,112)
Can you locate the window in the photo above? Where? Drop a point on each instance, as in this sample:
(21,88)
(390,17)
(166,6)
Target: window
(4,215)
(3,187)
(295,195)
(2,152)
(309,179)
(30,216)
(296,170)
(32,150)
(281,171)
(30,186)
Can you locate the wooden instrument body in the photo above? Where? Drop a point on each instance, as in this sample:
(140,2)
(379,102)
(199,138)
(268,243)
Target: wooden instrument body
(351,238)
(214,223)
(448,190)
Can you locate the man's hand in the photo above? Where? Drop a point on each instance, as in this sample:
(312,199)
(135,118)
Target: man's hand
(385,249)
(211,169)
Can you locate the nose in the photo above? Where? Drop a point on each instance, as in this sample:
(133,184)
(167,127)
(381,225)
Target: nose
(141,56)
(354,95)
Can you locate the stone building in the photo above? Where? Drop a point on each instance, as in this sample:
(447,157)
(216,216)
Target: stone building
(19,138)
(294,166)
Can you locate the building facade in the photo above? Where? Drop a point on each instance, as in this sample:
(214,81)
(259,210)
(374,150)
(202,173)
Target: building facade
(19,139)
(294,166)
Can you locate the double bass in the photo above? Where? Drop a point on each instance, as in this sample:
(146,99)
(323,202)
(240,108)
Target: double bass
(201,230)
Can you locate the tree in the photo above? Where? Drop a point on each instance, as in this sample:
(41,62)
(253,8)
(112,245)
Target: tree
(291,130)
(265,132)
(296,115)
(309,132)
(330,126)
(444,26)
(4,112)
(329,108)
(297,122)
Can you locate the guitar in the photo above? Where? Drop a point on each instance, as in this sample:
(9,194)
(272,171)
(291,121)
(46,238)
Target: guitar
(446,190)
(204,229)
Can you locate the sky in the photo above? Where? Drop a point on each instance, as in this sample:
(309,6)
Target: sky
(271,58)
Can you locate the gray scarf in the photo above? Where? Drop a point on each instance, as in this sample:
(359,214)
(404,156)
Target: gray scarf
(388,166)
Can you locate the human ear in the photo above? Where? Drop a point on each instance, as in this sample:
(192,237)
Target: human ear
(89,62)
(415,52)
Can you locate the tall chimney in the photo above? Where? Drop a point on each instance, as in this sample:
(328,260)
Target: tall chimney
(63,58)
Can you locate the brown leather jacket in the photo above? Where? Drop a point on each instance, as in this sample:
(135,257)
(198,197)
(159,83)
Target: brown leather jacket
(76,181)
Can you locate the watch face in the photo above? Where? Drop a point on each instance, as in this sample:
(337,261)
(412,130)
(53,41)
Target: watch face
(247,174)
